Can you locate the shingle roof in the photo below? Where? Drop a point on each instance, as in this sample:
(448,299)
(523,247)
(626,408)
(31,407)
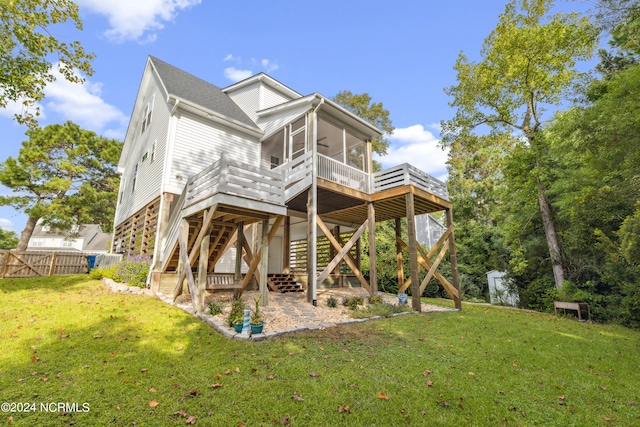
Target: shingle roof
(193,89)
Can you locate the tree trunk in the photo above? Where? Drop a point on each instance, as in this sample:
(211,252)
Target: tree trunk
(551,235)
(26,234)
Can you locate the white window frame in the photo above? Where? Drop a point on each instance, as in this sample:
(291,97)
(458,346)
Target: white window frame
(147,114)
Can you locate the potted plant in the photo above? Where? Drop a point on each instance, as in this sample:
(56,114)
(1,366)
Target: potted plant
(257,319)
(235,318)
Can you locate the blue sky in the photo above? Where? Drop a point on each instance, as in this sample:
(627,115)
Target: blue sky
(401,52)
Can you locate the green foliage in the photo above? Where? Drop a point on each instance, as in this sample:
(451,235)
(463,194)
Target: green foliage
(103,273)
(27,45)
(65,175)
(133,271)
(332,302)
(375,300)
(381,309)
(353,302)
(8,239)
(256,314)
(147,345)
(236,314)
(215,307)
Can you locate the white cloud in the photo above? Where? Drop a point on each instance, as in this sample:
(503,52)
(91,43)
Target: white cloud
(418,147)
(6,224)
(230,57)
(236,75)
(269,66)
(133,19)
(83,104)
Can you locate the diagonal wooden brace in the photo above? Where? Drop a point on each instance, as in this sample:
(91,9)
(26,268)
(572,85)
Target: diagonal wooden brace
(343,253)
(256,259)
(424,262)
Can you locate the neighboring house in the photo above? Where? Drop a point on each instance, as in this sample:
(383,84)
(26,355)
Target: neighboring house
(206,168)
(88,238)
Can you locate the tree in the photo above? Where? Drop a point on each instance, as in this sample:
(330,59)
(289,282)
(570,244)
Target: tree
(8,239)
(26,45)
(64,175)
(372,112)
(528,61)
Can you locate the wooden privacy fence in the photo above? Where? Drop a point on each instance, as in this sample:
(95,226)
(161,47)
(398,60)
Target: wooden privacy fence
(34,264)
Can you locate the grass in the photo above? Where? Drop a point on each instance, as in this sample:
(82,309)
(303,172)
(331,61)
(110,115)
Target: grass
(134,359)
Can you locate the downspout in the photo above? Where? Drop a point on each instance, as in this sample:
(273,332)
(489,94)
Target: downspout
(314,192)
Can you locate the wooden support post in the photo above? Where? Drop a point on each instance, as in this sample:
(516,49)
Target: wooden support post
(413,252)
(286,246)
(52,267)
(454,260)
(256,259)
(203,267)
(180,271)
(311,247)
(399,254)
(332,250)
(237,276)
(264,264)
(182,246)
(373,272)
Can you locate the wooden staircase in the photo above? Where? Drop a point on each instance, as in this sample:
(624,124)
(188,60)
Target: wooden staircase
(283,283)
(219,238)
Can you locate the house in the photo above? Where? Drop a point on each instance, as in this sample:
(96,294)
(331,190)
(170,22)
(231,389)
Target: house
(256,182)
(88,238)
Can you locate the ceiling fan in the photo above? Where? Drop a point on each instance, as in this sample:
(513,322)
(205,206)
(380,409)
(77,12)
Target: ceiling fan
(321,139)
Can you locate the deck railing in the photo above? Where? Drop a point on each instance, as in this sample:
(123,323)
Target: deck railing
(232,177)
(341,173)
(406,174)
(297,175)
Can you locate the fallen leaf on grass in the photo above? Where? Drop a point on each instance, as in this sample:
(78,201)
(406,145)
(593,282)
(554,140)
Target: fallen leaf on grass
(270,377)
(216,385)
(152,390)
(191,420)
(429,383)
(296,397)
(238,370)
(427,372)
(181,413)
(383,395)
(194,393)
(143,370)
(444,404)
(34,358)
(343,409)
(95,337)
(314,374)
(153,403)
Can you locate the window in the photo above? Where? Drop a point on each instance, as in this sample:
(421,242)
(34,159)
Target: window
(144,156)
(146,118)
(68,243)
(37,242)
(135,178)
(153,151)
(275,162)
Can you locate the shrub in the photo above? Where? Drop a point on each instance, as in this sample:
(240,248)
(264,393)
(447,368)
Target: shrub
(375,300)
(236,315)
(353,302)
(383,309)
(133,271)
(101,273)
(332,302)
(215,307)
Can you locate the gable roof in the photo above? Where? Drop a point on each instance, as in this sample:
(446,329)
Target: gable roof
(188,87)
(266,79)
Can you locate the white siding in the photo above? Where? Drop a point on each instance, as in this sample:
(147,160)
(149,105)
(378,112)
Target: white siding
(198,143)
(257,96)
(273,122)
(271,97)
(248,98)
(149,178)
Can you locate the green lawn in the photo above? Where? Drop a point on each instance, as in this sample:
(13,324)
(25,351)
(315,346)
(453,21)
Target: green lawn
(134,360)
